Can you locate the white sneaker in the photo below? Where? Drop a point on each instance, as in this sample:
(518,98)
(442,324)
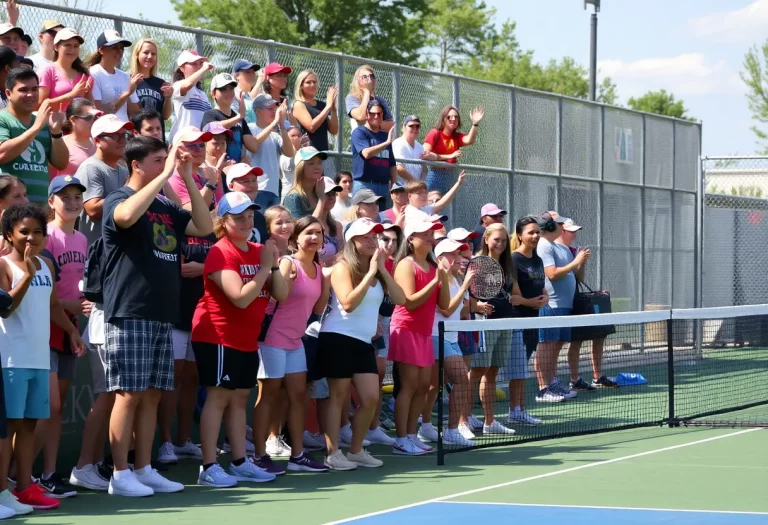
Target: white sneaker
(428,433)
(420,444)
(521,416)
(6,512)
(452,436)
(364,459)
(189,451)
(377,435)
(154,480)
(277,448)
(345,434)
(549,396)
(128,485)
(466,431)
(166,453)
(88,478)
(337,461)
(248,471)
(313,441)
(215,477)
(475,424)
(497,428)
(9,501)
(407,447)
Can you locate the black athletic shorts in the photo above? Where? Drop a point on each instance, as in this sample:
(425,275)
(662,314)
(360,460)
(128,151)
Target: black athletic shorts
(341,357)
(221,366)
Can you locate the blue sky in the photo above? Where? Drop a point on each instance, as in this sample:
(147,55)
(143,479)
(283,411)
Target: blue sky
(693,48)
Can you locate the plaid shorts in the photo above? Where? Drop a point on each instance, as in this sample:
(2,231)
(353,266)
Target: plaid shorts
(139,355)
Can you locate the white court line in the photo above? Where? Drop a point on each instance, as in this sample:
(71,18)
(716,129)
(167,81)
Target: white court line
(601,507)
(539,476)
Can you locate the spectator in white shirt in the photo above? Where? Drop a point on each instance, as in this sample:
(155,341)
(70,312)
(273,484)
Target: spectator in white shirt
(48,31)
(114,90)
(407,147)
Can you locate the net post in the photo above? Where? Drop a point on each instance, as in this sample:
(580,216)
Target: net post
(671,374)
(440,379)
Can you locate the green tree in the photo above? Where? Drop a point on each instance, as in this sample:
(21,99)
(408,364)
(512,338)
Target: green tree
(500,58)
(390,31)
(455,29)
(755,76)
(661,103)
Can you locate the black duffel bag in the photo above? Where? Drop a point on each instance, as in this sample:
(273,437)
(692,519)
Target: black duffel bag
(585,302)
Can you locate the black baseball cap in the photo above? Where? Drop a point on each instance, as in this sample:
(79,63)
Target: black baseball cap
(7,56)
(27,39)
(111,38)
(411,118)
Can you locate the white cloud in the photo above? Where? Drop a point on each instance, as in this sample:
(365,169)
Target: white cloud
(686,74)
(740,25)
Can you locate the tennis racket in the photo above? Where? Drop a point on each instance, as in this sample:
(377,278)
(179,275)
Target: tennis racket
(489,278)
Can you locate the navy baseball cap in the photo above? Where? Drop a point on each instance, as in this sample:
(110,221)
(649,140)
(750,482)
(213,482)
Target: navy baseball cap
(63,181)
(398,186)
(242,65)
(411,118)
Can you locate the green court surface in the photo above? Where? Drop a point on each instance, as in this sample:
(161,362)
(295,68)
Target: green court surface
(723,470)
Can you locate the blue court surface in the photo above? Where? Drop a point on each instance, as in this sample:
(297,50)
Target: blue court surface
(450,513)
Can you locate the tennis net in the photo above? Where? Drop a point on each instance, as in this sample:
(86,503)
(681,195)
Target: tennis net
(531,379)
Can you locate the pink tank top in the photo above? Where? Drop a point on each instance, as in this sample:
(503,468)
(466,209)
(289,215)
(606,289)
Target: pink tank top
(419,320)
(290,319)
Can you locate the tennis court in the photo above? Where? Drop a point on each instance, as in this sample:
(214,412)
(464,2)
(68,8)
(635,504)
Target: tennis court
(680,475)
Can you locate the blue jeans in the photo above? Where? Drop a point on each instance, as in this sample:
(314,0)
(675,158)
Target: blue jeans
(440,179)
(266,199)
(379,188)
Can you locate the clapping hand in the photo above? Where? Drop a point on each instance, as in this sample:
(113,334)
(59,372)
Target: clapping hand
(268,254)
(56,119)
(135,81)
(167,90)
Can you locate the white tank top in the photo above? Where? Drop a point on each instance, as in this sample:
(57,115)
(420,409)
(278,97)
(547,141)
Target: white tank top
(25,334)
(361,322)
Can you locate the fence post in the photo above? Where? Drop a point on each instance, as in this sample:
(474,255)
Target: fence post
(674,220)
(440,374)
(396,98)
(671,372)
(559,153)
(199,43)
(601,203)
(457,92)
(118,25)
(340,115)
(511,191)
(271,52)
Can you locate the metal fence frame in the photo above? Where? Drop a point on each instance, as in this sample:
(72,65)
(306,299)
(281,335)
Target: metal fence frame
(583,132)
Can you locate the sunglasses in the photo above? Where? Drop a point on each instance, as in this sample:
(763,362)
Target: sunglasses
(375,115)
(195,146)
(452,117)
(414,126)
(86,118)
(369,76)
(125,135)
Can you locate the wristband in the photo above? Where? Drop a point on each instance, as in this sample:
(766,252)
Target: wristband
(56,135)
(210,186)
(475,125)
(275,269)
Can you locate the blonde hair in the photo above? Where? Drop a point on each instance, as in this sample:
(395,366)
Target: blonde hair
(298,94)
(505,259)
(354,87)
(272,214)
(218,227)
(135,56)
(298,178)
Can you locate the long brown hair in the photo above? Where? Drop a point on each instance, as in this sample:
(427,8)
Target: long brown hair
(444,113)
(505,259)
(355,265)
(298,227)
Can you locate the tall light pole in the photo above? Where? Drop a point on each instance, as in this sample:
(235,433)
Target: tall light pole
(593,49)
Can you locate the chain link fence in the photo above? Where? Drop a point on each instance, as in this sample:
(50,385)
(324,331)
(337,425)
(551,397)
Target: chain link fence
(735,231)
(629,178)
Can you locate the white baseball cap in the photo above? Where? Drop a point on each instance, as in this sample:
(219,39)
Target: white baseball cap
(461,235)
(6,28)
(571,226)
(192,134)
(448,245)
(362,226)
(186,57)
(235,203)
(241,169)
(223,80)
(330,185)
(420,226)
(67,34)
(109,124)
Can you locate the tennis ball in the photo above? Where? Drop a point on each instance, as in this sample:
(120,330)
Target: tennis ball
(388,389)
(500,395)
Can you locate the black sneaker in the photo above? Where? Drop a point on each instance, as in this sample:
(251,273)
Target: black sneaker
(581,385)
(604,382)
(105,470)
(57,488)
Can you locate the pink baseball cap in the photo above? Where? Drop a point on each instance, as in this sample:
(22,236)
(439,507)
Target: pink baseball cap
(215,128)
(491,209)
(241,169)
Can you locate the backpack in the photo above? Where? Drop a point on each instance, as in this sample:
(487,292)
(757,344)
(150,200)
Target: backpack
(93,275)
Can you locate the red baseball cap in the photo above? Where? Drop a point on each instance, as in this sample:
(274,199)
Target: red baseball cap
(275,67)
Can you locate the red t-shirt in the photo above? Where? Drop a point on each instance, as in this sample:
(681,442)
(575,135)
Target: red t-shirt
(443,144)
(217,320)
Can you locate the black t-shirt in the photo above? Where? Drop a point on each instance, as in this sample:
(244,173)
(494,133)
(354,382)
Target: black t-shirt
(318,139)
(235,144)
(477,242)
(195,249)
(150,96)
(259,232)
(502,308)
(142,274)
(530,280)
